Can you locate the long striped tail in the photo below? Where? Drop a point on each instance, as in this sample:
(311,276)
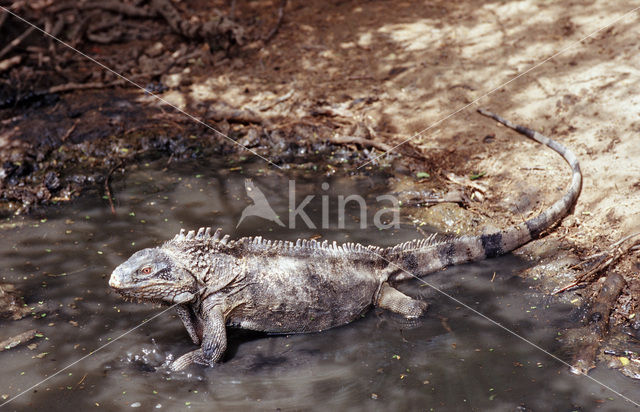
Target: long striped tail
(428,255)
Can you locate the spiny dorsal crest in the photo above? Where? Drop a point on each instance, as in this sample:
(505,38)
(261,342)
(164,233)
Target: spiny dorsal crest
(258,244)
(204,233)
(432,240)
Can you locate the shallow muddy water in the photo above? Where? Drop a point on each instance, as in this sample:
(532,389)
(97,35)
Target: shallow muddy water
(450,360)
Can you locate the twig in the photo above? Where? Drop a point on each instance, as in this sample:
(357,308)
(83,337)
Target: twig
(566,288)
(416,198)
(273,31)
(16,41)
(3,17)
(235,116)
(114,6)
(81,380)
(445,324)
(615,254)
(108,190)
(459,181)
(602,261)
(10,62)
(625,239)
(10,120)
(600,254)
(82,86)
(276,101)
(70,130)
(232,10)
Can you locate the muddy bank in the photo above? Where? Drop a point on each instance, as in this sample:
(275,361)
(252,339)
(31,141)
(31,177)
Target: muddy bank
(85,138)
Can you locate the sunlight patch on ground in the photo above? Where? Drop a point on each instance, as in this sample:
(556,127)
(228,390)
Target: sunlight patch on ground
(176,98)
(202,92)
(513,8)
(365,39)
(478,40)
(415,36)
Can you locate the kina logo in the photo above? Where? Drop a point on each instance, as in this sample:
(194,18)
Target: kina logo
(260,206)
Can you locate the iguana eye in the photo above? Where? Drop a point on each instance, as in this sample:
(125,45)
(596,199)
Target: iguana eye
(146,270)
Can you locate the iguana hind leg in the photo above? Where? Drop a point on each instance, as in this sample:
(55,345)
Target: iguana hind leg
(396,301)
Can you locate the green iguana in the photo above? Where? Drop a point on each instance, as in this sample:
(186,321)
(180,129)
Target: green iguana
(305,286)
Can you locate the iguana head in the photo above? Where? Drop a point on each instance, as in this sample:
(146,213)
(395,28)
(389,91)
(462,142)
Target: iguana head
(152,275)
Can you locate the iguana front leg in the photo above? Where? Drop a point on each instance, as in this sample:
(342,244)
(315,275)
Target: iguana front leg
(214,342)
(186,315)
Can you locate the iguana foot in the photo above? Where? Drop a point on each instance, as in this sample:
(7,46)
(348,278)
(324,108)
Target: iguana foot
(396,301)
(190,358)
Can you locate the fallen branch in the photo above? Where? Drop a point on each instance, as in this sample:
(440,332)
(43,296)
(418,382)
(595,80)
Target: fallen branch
(18,339)
(585,356)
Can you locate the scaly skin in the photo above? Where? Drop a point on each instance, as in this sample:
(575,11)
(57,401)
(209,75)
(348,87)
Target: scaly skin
(306,286)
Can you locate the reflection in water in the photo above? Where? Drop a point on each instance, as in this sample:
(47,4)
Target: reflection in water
(450,360)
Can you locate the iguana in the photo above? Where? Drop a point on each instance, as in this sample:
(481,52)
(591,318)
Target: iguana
(305,286)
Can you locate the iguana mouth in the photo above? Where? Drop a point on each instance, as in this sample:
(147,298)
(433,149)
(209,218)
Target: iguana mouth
(131,294)
(136,299)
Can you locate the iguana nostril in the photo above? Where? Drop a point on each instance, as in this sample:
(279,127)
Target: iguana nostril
(114,282)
